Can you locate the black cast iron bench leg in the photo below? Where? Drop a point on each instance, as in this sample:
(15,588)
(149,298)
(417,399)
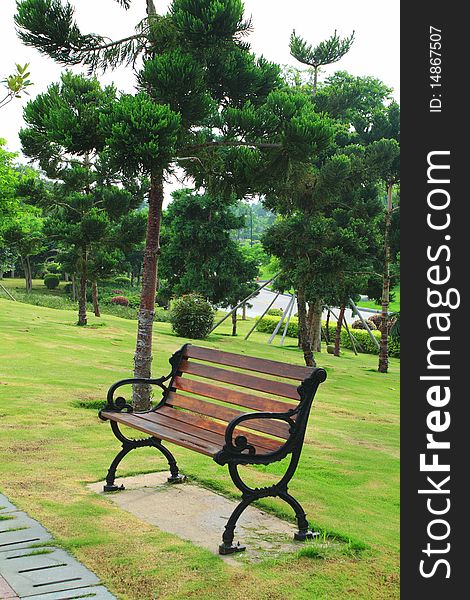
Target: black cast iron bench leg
(127,446)
(249,495)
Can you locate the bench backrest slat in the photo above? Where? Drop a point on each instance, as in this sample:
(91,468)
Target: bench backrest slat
(270,386)
(226,414)
(250,363)
(220,386)
(231,396)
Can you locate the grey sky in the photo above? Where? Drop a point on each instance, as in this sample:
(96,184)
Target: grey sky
(375,51)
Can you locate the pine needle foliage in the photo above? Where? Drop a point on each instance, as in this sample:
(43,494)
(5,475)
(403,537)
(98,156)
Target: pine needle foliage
(325,53)
(49,26)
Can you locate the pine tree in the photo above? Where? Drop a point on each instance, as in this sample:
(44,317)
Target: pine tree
(197,70)
(386,155)
(198,226)
(364,104)
(325,53)
(63,134)
(326,243)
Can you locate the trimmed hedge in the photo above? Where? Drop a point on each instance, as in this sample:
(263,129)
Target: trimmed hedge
(121,300)
(51,281)
(268,324)
(122,280)
(192,316)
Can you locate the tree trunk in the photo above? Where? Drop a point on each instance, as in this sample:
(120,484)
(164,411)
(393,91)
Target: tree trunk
(327,333)
(96,303)
(82,317)
(383,352)
(315,81)
(314,325)
(234,322)
(143,351)
(304,339)
(23,266)
(74,289)
(27,273)
(244,312)
(338,330)
(29,281)
(310,306)
(151,8)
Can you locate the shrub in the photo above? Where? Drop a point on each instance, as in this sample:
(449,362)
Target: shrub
(122,279)
(362,336)
(117,310)
(51,281)
(275,312)
(395,326)
(191,316)
(376,319)
(394,346)
(268,324)
(359,324)
(134,300)
(161,315)
(120,300)
(52,267)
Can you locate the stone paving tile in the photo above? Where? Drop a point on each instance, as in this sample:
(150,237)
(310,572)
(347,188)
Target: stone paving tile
(15,520)
(29,573)
(6,593)
(39,573)
(5,505)
(90,593)
(21,532)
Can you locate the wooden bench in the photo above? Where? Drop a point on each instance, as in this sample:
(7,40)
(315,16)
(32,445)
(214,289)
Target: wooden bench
(204,408)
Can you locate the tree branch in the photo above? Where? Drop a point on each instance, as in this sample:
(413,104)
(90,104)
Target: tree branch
(110,44)
(233,145)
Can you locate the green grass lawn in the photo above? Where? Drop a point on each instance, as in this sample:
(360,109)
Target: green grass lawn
(51,447)
(18,285)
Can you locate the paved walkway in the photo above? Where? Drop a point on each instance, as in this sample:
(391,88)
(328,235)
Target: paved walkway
(199,515)
(32,570)
(260,303)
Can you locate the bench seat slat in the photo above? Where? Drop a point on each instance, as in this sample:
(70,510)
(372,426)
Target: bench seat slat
(250,363)
(225,413)
(208,425)
(164,433)
(203,435)
(278,388)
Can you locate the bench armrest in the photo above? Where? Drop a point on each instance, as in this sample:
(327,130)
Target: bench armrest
(119,404)
(235,447)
